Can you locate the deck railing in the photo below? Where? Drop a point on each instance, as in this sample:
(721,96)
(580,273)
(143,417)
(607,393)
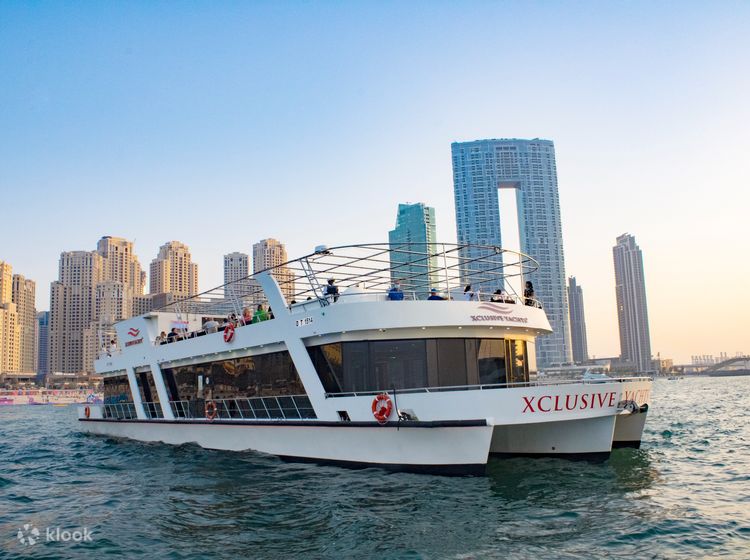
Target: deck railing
(286,407)
(120,411)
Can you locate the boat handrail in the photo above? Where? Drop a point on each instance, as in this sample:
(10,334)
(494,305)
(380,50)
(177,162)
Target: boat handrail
(487,386)
(279,407)
(371,269)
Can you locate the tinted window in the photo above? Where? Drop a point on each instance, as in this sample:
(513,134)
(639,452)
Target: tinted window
(519,369)
(410,364)
(491,361)
(116,389)
(252,376)
(451,362)
(399,364)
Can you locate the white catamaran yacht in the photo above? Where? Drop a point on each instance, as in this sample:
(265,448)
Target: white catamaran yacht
(348,367)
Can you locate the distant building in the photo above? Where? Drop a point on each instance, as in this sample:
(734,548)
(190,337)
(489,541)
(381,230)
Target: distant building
(10,334)
(24,296)
(72,323)
(94,290)
(632,310)
(236,267)
(577,322)
(42,322)
(415,223)
(173,271)
(480,169)
(121,264)
(270,253)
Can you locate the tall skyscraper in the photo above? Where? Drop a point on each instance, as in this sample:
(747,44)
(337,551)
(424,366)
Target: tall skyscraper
(24,296)
(72,323)
(577,322)
(236,267)
(632,311)
(415,223)
(94,290)
(173,271)
(10,334)
(482,167)
(268,253)
(42,321)
(121,264)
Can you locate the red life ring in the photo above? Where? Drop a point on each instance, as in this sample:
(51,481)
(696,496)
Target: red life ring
(210,411)
(382,407)
(229,333)
(87,412)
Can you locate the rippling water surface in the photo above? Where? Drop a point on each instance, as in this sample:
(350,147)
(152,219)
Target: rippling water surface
(685,493)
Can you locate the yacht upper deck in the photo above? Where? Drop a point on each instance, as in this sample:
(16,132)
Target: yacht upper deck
(467,287)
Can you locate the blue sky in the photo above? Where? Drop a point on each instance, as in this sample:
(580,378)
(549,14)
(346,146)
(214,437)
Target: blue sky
(220,123)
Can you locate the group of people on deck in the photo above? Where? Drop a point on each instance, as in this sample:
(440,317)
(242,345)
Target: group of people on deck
(211,325)
(395,293)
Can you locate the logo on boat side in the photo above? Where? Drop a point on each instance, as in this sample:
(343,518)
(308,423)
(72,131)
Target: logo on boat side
(132,342)
(134,332)
(495,308)
(559,403)
(499,313)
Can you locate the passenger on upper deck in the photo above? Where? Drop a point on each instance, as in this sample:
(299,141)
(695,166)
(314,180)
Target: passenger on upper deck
(434,295)
(528,294)
(173,335)
(332,290)
(211,326)
(260,314)
(161,339)
(501,297)
(395,293)
(247,317)
(469,294)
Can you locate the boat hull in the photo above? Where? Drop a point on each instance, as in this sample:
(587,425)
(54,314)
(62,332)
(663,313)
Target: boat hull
(588,438)
(459,448)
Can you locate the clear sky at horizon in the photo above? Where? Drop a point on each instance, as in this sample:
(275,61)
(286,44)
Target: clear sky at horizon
(221,123)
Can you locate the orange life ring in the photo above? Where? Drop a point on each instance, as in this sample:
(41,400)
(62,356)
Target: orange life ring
(210,410)
(229,333)
(382,407)
(87,411)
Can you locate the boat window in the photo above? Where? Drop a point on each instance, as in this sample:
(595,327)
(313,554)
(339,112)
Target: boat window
(149,394)
(266,375)
(416,363)
(491,361)
(117,389)
(518,364)
(451,362)
(397,364)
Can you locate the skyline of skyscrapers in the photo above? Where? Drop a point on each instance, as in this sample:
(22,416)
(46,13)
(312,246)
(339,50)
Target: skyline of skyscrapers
(415,223)
(632,308)
(480,169)
(578,339)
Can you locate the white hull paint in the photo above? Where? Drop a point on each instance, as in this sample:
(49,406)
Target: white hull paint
(590,437)
(462,449)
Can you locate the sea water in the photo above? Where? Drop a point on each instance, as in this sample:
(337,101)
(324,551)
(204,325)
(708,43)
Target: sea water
(684,494)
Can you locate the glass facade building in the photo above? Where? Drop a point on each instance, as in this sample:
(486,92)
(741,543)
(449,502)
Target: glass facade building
(632,311)
(415,223)
(480,169)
